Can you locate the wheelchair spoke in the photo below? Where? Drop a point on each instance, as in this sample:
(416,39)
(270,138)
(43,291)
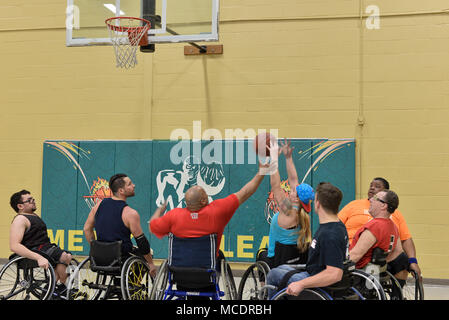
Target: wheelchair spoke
(252,283)
(85,284)
(136,280)
(368,286)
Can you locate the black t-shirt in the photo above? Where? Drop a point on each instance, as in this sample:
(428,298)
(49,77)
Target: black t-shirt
(329,247)
(36,235)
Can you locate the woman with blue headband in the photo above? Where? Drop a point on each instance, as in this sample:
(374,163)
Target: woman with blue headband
(290,232)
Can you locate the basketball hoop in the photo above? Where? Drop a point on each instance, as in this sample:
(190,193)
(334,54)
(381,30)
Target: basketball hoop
(127,33)
(91,201)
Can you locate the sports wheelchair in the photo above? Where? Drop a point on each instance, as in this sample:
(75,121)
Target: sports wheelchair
(105,274)
(354,285)
(253,279)
(393,288)
(22,279)
(342,290)
(192,268)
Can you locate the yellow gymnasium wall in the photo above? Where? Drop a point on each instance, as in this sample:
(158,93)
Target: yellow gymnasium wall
(310,69)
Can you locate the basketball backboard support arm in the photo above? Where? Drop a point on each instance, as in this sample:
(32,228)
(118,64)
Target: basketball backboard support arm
(148,13)
(201,49)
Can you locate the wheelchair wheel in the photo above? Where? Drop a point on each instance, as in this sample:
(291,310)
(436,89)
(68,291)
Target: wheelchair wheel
(135,279)
(306,294)
(252,282)
(228,280)
(84,284)
(414,290)
(391,286)
(22,279)
(160,282)
(367,286)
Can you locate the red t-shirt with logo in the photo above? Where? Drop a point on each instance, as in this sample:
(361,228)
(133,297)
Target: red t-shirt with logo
(183,223)
(383,229)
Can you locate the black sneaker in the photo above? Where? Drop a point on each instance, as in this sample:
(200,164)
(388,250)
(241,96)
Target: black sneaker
(60,291)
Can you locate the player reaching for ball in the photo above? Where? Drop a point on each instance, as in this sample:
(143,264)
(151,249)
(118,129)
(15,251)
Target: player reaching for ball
(262,144)
(290,232)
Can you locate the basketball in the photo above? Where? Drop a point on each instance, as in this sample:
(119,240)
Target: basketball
(262,143)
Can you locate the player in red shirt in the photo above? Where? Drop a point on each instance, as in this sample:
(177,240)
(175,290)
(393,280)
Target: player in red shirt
(379,232)
(201,218)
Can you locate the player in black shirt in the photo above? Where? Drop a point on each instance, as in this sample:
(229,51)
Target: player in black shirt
(29,232)
(328,249)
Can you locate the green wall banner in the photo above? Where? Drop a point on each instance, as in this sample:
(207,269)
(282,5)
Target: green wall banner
(76,175)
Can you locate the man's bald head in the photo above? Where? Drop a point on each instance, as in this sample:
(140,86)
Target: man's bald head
(196,198)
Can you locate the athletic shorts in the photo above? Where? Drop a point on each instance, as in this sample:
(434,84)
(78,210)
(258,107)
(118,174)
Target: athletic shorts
(53,251)
(398,264)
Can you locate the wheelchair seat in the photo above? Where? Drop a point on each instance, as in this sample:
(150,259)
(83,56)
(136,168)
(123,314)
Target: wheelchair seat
(106,257)
(193,278)
(29,263)
(378,264)
(192,266)
(288,254)
(197,252)
(379,257)
(340,288)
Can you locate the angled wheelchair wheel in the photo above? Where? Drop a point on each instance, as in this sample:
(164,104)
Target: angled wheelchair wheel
(22,279)
(367,286)
(160,282)
(135,279)
(413,290)
(252,282)
(228,280)
(306,294)
(391,286)
(84,284)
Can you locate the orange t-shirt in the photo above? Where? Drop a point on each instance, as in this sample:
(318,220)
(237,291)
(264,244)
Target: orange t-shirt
(355,215)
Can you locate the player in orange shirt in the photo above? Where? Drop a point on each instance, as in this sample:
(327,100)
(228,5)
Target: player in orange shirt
(355,214)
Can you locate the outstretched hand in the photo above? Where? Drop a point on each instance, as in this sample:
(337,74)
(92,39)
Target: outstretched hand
(163,207)
(286,148)
(159,211)
(270,165)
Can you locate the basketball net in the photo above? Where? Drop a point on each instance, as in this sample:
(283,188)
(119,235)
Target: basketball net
(91,201)
(126,34)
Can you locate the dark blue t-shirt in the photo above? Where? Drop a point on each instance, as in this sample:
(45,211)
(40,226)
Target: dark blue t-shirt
(109,225)
(329,247)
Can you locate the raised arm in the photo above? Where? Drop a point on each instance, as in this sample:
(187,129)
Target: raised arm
(159,211)
(287,150)
(275,182)
(250,188)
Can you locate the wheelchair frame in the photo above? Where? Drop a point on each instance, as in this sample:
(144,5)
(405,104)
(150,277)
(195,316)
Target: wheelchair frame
(162,291)
(163,288)
(123,280)
(362,286)
(28,281)
(390,285)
